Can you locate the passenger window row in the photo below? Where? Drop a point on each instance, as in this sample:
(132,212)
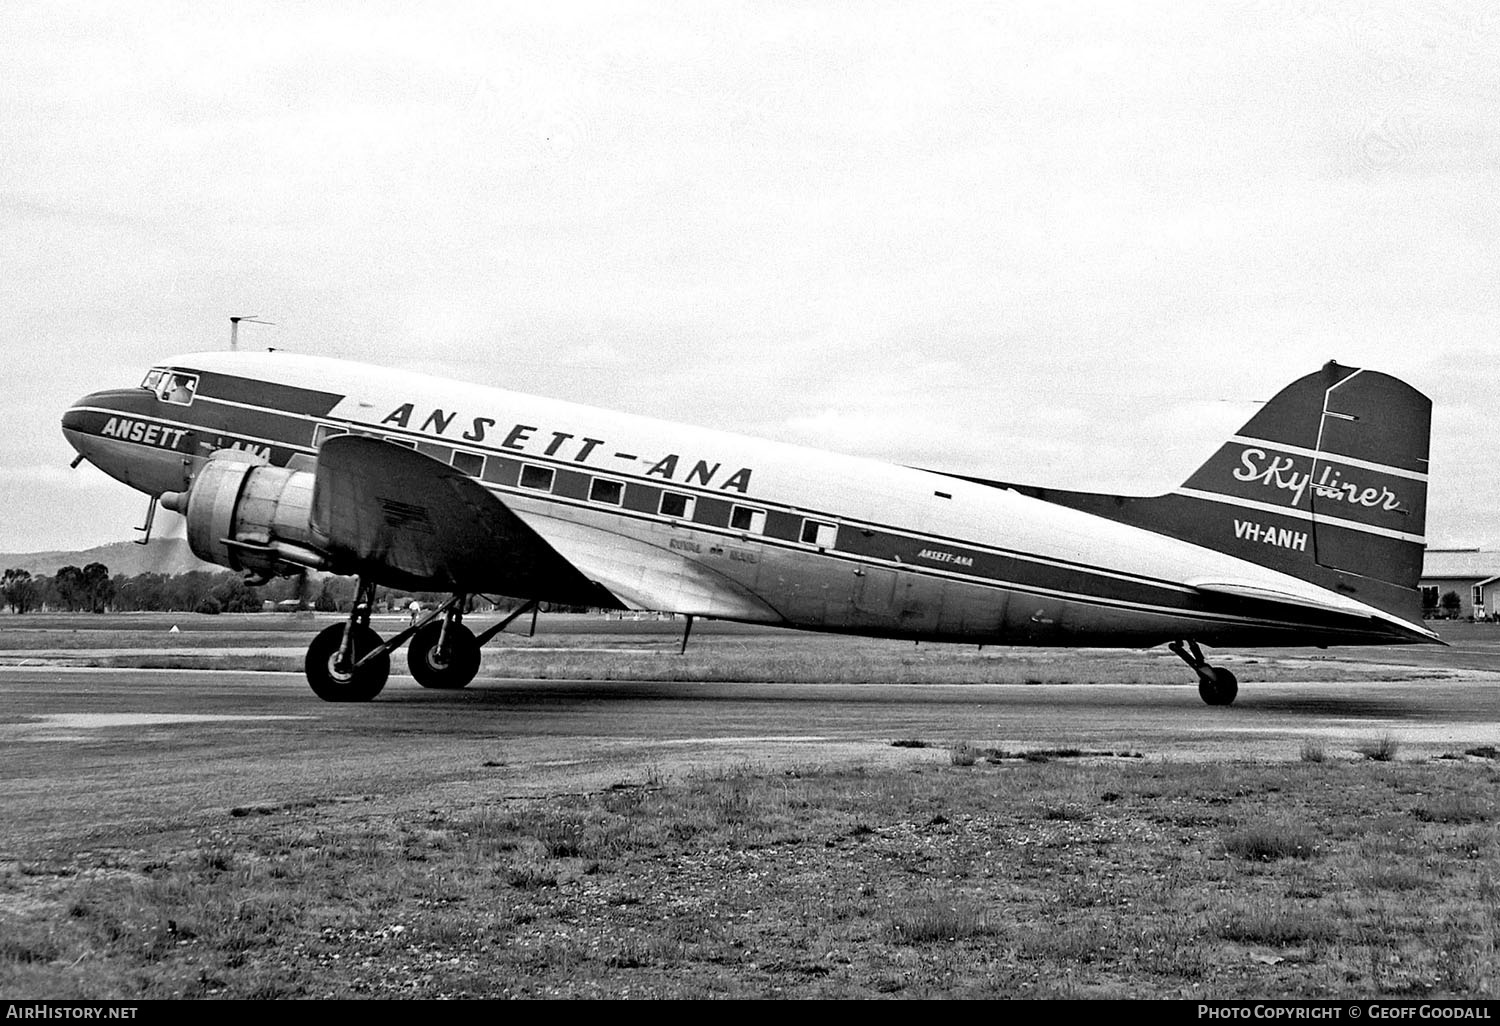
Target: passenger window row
(632,495)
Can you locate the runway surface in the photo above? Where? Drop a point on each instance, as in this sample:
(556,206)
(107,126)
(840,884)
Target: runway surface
(103,747)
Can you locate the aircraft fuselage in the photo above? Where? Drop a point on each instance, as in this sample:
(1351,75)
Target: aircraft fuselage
(708,523)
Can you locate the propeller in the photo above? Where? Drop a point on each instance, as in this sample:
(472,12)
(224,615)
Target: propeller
(301,591)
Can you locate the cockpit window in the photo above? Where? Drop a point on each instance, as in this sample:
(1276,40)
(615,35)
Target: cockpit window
(172,387)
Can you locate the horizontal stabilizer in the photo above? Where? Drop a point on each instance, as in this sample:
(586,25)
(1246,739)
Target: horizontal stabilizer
(1324,601)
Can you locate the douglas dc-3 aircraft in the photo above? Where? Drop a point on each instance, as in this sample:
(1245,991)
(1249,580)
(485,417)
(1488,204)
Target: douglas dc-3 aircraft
(1305,528)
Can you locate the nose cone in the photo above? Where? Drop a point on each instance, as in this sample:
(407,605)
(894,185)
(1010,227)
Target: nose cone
(76,422)
(121,432)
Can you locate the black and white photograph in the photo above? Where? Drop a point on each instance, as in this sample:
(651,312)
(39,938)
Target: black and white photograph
(751,500)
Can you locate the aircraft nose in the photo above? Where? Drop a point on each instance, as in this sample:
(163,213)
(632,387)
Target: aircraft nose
(123,433)
(90,425)
(75,418)
(83,422)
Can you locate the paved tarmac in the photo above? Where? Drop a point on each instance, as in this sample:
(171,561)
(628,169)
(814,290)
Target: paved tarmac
(106,746)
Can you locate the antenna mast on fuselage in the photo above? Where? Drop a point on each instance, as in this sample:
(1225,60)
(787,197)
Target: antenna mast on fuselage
(234,328)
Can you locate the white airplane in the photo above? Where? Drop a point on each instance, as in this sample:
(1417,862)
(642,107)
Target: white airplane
(1305,528)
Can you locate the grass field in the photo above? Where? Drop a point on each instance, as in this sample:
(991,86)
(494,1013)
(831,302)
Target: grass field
(1036,877)
(1025,873)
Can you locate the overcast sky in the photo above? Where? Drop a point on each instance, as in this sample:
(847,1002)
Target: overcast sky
(1063,243)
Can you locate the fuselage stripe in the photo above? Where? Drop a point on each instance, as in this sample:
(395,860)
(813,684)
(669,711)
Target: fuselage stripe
(489,450)
(1299,514)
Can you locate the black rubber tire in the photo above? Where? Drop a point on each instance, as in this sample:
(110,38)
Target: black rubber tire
(444,675)
(359,686)
(1221,690)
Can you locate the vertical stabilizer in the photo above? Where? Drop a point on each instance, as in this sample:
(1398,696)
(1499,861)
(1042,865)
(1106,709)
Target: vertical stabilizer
(1330,475)
(1328,482)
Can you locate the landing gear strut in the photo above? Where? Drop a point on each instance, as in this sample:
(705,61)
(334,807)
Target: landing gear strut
(444,654)
(346,661)
(1216,685)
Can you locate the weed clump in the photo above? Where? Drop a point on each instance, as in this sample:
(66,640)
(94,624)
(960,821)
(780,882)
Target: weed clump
(1455,808)
(1275,926)
(934,922)
(1267,842)
(1066,813)
(1381,749)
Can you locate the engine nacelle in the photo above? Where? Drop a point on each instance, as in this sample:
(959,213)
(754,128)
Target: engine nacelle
(250,516)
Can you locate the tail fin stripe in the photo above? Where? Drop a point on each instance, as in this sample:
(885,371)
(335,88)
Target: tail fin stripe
(1300,514)
(1329,457)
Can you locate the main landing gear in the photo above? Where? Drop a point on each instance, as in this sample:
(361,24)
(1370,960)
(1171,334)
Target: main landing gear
(1216,685)
(444,654)
(347,662)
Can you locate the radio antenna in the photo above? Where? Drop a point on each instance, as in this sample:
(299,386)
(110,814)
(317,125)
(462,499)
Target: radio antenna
(234,328)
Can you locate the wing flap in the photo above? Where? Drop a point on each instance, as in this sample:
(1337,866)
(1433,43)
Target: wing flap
(644,575)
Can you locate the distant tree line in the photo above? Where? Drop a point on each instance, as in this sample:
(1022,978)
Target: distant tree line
(92,589)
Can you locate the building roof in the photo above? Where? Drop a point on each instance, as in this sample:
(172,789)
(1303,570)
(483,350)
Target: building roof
(1459,563)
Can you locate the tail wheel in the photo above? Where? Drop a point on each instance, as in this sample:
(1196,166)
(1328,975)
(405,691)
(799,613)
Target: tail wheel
(1218,687)
(350,684)
(445,670)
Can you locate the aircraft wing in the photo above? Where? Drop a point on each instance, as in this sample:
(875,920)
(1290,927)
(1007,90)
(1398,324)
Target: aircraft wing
(417,523)
(1319,598)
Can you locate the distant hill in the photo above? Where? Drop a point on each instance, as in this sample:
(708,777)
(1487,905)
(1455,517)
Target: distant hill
(158,556)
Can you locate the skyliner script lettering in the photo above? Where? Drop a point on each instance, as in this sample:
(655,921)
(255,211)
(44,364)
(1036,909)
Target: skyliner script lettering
(1280,472)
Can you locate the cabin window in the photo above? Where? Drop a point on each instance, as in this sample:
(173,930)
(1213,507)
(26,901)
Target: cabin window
(748,519)
(533,476)
(471,463)
(675,504)
(819,533)
(153,379)
(602,489)
(177,388)
(324,432)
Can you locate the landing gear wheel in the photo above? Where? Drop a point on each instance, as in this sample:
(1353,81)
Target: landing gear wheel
(445,671)
(1218,687)
(347,685)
